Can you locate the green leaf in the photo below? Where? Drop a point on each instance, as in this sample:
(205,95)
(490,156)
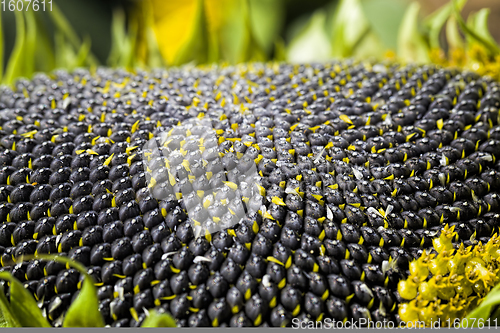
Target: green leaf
(483,311)
(7,319)
(349,27)
(88,303)
(369,46)
(253,50)
(266,21)
(15,65)
(196,49)
(156,319)
(213,47)
(436,20)
(481,26)
(124,41)
(118,37)
(30,45)
(83,53)
(471,21)
(495,313)
(411,44)
(470,29)
(22,304)
(385,17)
(237,39)
(67,30)
(279,50)
(226,29)
(64,26)
(155,59)
(312,44)
(453,36)
(44,48)
(233,36)
(129,58)
(65,55)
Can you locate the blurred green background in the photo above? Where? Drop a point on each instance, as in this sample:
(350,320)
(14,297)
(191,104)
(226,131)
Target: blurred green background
(92,17)
(151,33)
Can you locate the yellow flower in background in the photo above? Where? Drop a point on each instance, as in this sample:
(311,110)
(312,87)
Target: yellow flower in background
(216,12)
(175,32)
(174,25)
(459,280)
(214,30)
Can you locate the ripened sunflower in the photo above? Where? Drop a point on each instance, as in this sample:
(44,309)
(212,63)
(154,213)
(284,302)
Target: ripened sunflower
(253,194)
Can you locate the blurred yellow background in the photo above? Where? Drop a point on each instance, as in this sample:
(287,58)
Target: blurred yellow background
(151,33)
